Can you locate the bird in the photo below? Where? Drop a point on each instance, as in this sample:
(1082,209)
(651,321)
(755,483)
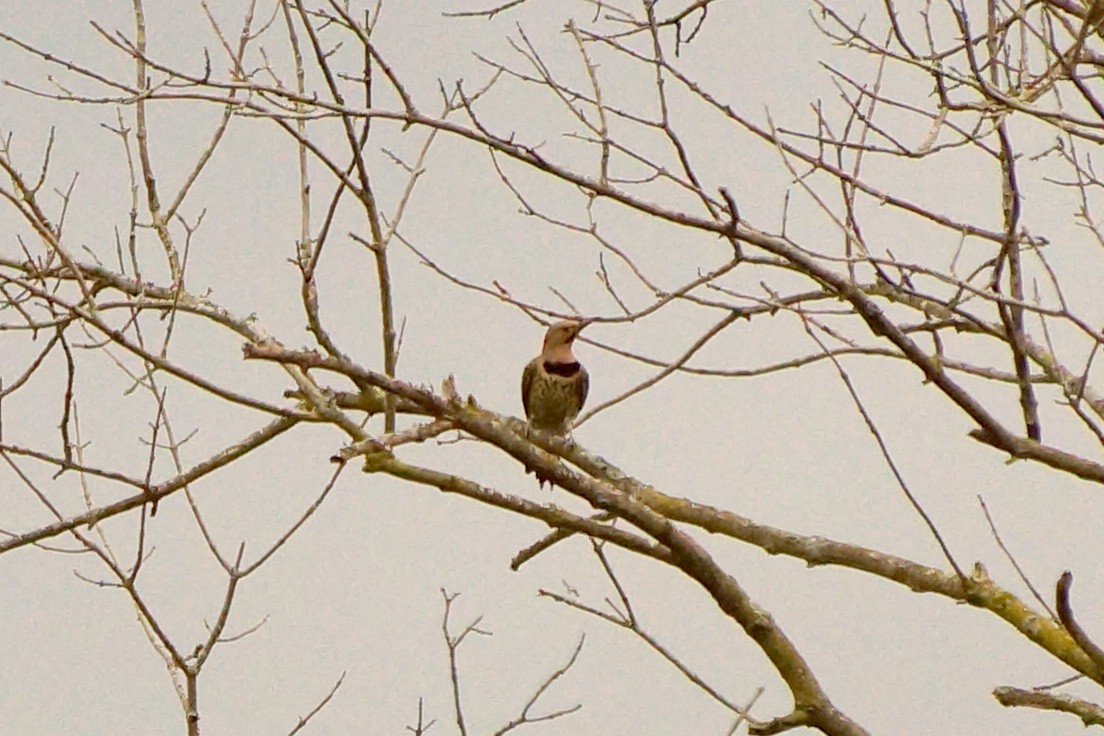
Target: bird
(554,384)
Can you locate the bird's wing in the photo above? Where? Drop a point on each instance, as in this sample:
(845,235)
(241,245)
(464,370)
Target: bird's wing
(527,377)
(582,386)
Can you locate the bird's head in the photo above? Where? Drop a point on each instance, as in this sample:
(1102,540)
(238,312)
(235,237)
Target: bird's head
(563,333)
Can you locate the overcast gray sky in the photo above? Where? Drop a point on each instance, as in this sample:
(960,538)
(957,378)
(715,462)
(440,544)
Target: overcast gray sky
(357,590)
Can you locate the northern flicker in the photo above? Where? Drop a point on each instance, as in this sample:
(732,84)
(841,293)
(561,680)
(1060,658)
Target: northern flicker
(554,384)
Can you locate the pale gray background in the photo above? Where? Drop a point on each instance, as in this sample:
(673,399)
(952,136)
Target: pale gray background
(358,589)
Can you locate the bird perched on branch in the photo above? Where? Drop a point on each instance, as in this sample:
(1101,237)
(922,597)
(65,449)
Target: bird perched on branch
(554,384)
